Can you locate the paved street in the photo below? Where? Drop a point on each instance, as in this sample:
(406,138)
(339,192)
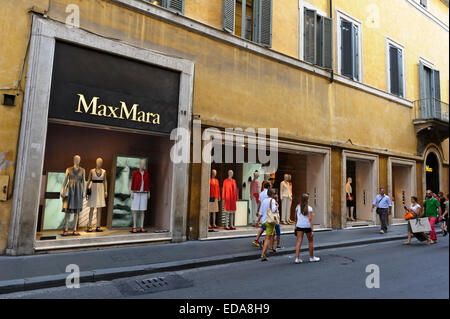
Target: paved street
(416,271)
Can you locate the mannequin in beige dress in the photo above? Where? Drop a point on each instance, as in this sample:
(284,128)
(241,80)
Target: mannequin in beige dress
(98,186)
(285,194)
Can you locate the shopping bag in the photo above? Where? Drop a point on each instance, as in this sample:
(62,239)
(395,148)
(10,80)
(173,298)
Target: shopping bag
(420,225)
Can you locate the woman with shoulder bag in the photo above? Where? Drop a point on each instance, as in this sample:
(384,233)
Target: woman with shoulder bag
(269,218)
(416,211)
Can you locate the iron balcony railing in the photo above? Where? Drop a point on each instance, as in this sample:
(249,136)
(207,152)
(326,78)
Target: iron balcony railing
(431,109)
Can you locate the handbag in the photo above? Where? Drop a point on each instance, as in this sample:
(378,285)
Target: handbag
(409,216)
(89,192)
(272,218)
(212,199)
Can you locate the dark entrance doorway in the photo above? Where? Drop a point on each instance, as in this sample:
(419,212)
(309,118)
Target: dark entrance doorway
(432,172)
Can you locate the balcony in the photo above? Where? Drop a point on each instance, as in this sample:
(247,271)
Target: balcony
(431,122)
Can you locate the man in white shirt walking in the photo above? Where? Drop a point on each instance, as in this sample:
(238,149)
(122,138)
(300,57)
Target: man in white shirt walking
(383,204)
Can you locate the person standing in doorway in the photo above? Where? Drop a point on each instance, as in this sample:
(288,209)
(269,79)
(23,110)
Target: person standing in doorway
(383,204)
(432,211)
(304,224)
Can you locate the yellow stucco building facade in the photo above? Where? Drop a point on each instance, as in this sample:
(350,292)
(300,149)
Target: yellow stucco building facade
(331,125)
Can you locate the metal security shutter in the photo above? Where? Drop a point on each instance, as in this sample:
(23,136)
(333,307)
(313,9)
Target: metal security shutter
(309,38)
(265,23)
(229,9)
(346,49)
(394,70)
(175,5)
(327,43)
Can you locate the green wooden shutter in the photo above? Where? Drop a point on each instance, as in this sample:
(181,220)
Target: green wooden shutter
(346,49)
(256,18)
(309,38)
(319,40)
(355,54)
(175,5)
(229,10)
(400,73)
(437,93)
(327,43)
(394,70)
(423,98)
(265,23)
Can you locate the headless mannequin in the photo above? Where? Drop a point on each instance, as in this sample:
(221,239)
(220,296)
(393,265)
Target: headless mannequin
(285,193)
(142,165)
(229,214)
(212,223)
(254,201)
(76,167)
(349,194)
(290,222)
(97,170)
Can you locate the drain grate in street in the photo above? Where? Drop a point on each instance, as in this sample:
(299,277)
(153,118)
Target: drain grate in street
(154,284)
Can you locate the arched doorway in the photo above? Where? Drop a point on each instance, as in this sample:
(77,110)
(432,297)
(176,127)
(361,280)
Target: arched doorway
(432,172)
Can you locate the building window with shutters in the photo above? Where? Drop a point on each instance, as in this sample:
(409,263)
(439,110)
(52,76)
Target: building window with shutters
(430,91)
(317,38)
(249,19)
(349,46)
(174,5)
(395,68)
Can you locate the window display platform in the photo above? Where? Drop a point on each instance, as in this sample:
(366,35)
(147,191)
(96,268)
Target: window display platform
(248,231)
(105,238)
(360,223)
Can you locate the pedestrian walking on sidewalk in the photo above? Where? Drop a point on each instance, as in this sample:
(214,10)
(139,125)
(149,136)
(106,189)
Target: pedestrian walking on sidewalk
(416,210)
(445,215)
(304,225)
(383,204)
(277,228)
(262,197)
(442,219)
(268,203)
(432,211)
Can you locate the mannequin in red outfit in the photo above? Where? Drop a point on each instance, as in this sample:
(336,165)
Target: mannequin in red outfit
(229,198)
(214,197)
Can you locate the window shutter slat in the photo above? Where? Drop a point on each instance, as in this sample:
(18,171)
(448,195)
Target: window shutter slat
(310,36)
(229,9)
(437,93)
(393,70)
(423,97)
(265,23)
(346,49)
(327,43)
(355,55)
(176,5)
(319,40)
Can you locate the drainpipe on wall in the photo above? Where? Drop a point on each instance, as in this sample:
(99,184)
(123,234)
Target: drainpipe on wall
(332,64)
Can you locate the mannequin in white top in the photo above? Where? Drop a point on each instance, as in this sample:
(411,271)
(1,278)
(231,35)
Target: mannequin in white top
(286,197)
(97,186)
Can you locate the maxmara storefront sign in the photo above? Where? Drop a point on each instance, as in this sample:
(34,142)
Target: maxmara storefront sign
(96,87)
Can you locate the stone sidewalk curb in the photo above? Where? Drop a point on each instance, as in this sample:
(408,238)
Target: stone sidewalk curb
(40,282)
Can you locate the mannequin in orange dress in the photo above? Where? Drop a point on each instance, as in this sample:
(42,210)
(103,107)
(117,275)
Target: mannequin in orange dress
(229,198)
(214,197)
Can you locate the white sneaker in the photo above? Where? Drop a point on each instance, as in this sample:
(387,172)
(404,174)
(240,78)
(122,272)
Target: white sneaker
(381,231)
(314,259)
(298,261)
